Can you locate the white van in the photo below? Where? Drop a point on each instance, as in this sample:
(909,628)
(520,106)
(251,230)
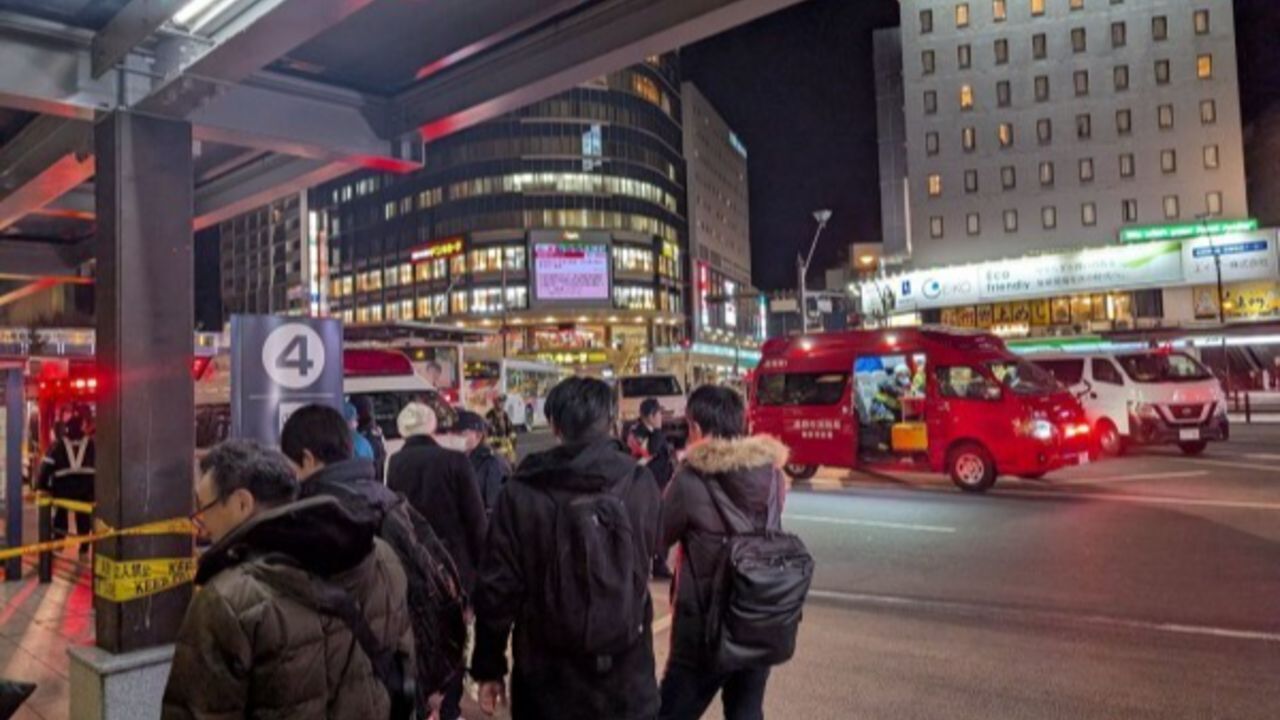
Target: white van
(1148,397)
(633,389)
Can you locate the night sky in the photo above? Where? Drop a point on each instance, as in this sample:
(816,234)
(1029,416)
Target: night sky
(798,87)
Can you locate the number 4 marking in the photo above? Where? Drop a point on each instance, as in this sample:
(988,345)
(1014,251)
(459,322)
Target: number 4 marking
(295,356)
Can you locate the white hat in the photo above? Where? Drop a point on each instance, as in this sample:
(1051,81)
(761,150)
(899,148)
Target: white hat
(416,419)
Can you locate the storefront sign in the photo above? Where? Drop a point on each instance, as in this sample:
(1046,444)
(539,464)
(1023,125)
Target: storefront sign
(436,250)
(1183,231)
(1146,265)
(1242,257)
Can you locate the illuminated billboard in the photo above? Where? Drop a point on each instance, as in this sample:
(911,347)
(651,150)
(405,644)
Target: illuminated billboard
(570,268)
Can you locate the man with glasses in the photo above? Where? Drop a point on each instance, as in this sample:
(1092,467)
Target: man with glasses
(294,600)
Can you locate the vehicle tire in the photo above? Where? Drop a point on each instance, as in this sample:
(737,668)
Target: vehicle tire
(800,472)
(1193,448)
(528,418)
(971,467)
(1110,442)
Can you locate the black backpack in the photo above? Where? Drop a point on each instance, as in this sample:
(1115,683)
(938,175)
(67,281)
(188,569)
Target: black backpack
(596,588)
(436,599)
(761,582)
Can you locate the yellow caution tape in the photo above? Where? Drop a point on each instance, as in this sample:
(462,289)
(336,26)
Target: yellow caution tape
(176,526)
(45,500)
(124,580)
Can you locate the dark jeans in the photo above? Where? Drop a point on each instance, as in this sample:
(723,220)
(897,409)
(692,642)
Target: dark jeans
(84,524)
(451,706)
(687,692)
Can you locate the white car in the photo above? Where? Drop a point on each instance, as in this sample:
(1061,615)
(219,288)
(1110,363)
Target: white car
(1148,397)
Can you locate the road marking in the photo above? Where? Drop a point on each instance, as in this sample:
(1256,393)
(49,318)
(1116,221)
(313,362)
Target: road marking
(976,609)
(1227,463)
(1144,499)
(869,523)
(1262,456)
(1131,478)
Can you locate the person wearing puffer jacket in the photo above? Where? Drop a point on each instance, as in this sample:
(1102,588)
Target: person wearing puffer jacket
(749,469)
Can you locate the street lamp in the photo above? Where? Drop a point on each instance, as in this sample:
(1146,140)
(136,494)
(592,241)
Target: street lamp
(802,266)
(1222,315)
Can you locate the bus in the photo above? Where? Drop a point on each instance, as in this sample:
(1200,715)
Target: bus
(524,383)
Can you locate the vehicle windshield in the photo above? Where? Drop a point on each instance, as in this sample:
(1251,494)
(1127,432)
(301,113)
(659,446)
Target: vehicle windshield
(652,386)
(1024,378)
(1163,367)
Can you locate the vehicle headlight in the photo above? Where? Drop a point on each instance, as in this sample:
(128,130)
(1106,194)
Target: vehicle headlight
(1037,428)
(1144,410)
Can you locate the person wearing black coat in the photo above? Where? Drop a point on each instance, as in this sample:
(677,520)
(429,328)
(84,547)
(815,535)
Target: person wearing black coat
(67,473)
(441,484)
(547,681)
(749,471)
(491,468)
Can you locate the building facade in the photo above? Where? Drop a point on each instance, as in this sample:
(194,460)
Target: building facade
(271,261)
(1045,140)
(561,226)
(1046,124)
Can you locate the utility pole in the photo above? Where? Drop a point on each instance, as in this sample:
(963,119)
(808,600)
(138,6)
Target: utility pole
(802,268)
(1222,310)
(503,330)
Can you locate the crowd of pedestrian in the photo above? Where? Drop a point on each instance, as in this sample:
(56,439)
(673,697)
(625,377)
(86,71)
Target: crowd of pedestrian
(342,583)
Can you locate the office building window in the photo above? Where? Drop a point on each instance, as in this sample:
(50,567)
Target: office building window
(1084,126)
(1159,28)
(1164,115)
(1002,51)
(1121,76)
(1211,157)
(1004,94)
(998,10)
(1162,72)
(1213,203)
(1086,170)
(972,224)
(1168,161)
(926,22)
(1046,174)
(1004,133)
(935,185)
(1124,122)
(971,181)
(1008,177)
(927,62)
(1042,88)
(1044,131)
(931,143)
(966,97)
(964,57)
(1126,165)
(1049,217)
(1082,82)
(1089,214)
(1077,4)
(1037,7)
(1078,43)
(1170,207)
(1129,210)
(969,139)
(935,226)
(1119,35)
(930,102)
(1202,22)
(1011,221)
(962,15)
(1204,66)
(1039,46)
(1208,112)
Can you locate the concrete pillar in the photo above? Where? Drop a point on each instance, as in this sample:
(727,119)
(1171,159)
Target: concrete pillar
(145,315)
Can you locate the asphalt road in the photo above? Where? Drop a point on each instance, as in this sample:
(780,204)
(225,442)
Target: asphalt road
(1143,587)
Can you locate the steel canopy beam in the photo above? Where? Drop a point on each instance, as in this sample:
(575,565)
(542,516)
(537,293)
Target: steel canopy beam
(134,23)
(259,183)
(30,259)
(599,39)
